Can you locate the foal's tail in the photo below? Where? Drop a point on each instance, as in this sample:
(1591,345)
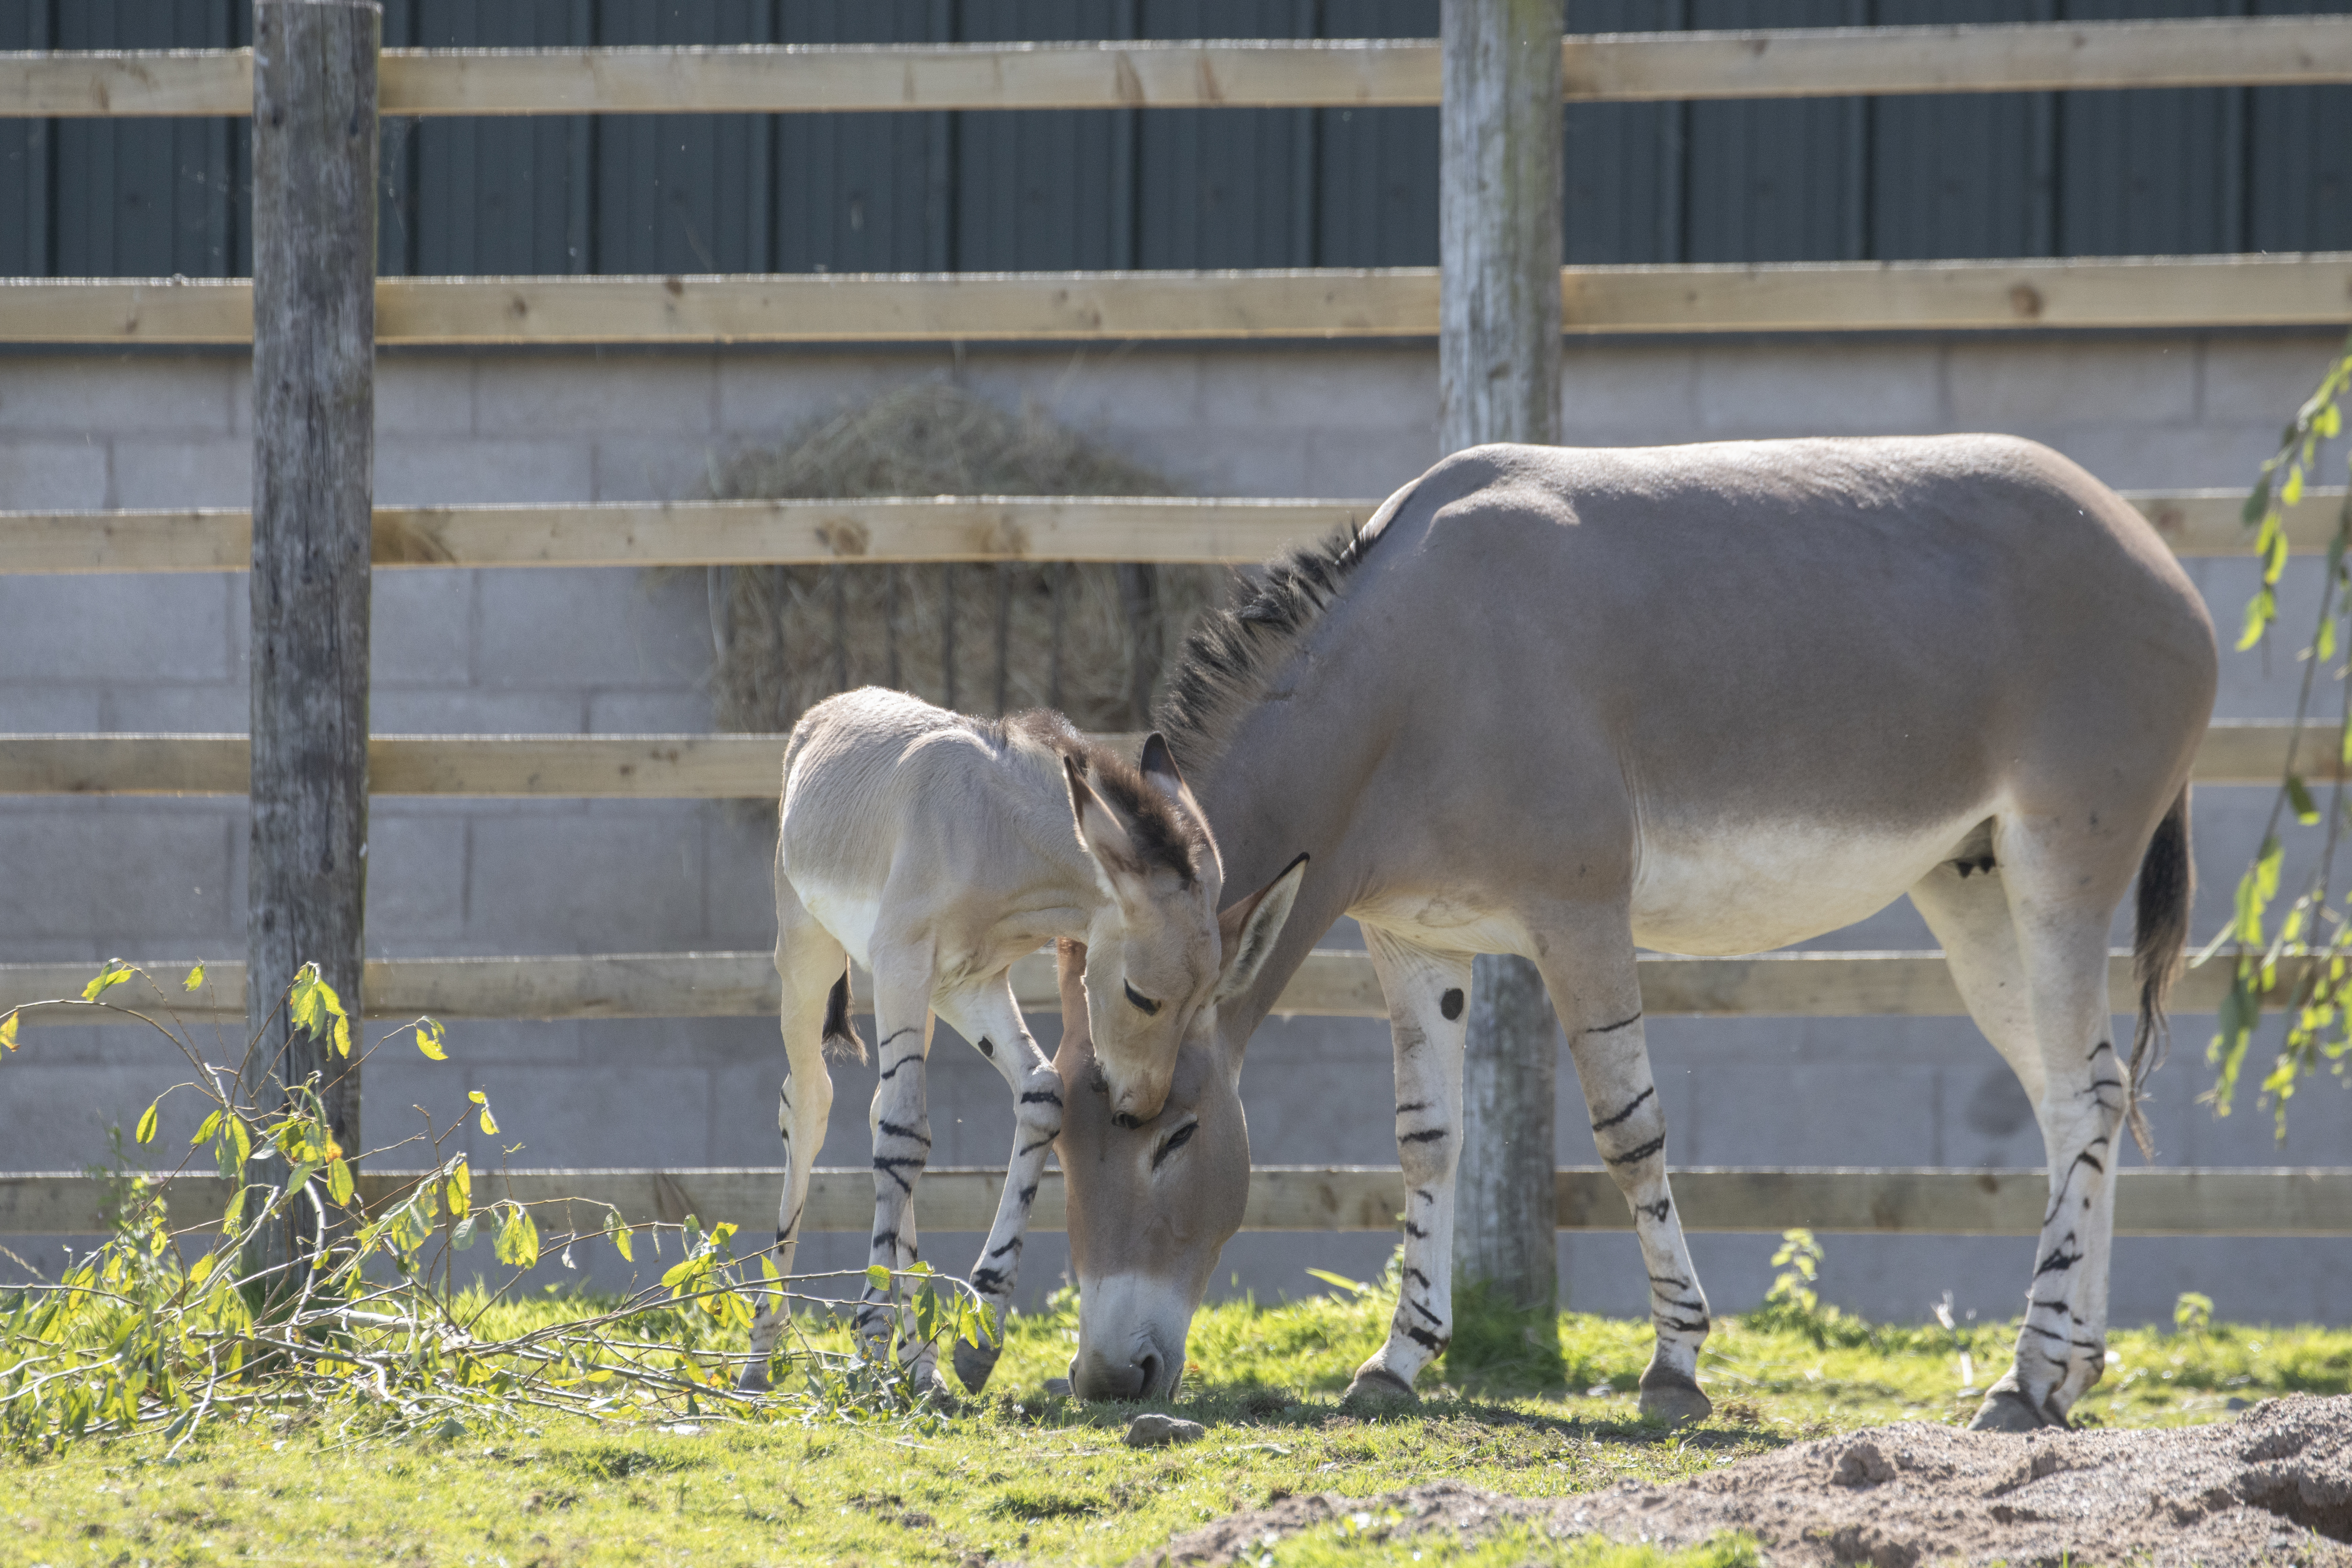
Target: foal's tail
(2167,880)
(841,1041)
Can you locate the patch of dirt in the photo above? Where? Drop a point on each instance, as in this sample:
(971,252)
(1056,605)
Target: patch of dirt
(2272,1487)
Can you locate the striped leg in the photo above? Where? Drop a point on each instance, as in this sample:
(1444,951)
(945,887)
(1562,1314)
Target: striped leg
(901,1125)
(1592,979)
(989,1017)
(1427,995)
(811,964)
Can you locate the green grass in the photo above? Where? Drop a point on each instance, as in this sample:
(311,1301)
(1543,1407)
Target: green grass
(1029,1476)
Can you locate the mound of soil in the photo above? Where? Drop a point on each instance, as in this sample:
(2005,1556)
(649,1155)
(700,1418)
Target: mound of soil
(2272,1487)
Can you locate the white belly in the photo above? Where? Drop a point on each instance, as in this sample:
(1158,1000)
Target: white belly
(849,914)
(1754,889)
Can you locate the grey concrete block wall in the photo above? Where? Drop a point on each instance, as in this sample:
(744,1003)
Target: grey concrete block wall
(617,651)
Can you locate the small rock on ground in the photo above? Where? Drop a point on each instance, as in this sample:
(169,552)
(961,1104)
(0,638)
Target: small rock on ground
(1150,1430)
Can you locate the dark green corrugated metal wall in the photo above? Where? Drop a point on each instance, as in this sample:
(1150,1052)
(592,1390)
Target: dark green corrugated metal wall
(2018,174)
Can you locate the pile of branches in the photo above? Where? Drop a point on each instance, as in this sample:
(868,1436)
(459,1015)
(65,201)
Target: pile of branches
(1091,641)
(298,1302)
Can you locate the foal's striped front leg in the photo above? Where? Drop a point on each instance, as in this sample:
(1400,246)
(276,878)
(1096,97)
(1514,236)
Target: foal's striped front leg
(991,1020)
(902,1147)
(1599,1001)
(1428,997)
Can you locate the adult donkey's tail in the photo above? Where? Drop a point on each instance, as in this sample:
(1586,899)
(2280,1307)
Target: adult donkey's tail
(2168,882)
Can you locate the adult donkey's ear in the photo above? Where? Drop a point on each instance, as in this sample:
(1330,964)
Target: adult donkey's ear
(1248,929)
(1159,766)
(1104,835)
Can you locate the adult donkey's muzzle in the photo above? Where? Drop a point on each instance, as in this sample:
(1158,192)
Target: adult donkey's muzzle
(1131,1334)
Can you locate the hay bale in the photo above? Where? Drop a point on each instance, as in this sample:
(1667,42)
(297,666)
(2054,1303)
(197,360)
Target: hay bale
(1090,639)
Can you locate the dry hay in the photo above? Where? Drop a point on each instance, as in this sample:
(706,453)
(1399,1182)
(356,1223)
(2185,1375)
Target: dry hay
(2272,1487)
(992,637)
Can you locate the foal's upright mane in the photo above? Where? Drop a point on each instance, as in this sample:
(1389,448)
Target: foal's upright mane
(1233,652)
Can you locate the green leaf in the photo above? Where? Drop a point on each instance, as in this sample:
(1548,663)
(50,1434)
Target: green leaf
(195,979)
(340,1186)
(879,1277)
(2291,493)
(429,1035)
(112,974)
(461,1234)
(8,1030)
(211,1126)
(461,1190)
(618,1233)
(146,1134)
(2258,501)
(2261,611)
(342,1035)
(1342,1281)
(2298,798)
(518,1239)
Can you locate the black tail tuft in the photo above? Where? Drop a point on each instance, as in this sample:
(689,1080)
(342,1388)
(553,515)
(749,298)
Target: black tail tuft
(841,1041)
(2168,882)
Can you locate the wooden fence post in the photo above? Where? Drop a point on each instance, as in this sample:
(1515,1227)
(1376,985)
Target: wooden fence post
(314,202)
(1498,380)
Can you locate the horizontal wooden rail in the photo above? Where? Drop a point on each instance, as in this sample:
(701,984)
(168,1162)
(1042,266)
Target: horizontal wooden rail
(694,767)
(1333,982)
(1247,73)
(2193,1201)
(1166,529)
(2183,293)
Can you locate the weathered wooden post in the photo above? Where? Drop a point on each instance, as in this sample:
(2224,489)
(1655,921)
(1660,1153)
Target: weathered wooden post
(314,163)
(1499,215)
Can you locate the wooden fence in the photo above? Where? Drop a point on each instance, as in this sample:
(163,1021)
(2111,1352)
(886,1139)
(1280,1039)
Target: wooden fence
(1945,296)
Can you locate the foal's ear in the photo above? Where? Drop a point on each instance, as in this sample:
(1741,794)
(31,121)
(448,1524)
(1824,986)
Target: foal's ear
(1104,835)
(1159,766)
(1248,929)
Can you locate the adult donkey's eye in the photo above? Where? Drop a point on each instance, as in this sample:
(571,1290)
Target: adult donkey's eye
(1176,1139)
(1139,999)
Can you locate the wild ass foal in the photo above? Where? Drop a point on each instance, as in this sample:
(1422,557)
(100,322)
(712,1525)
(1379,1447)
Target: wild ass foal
(1704,699)
(936,849)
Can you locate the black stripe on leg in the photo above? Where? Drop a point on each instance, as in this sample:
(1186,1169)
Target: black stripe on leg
(1041,1097)
(1619,1024)
(1415,1231)
(1656,1211)
(1013,1246)
(1032,1148)
(890,1168)
(896,1130)
(1635,1156)
(1427,1135)
(1425,1313)
(1633,1105)
(1424,1338)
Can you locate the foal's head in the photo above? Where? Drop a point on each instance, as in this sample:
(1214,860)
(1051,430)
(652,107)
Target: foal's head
(1159,952)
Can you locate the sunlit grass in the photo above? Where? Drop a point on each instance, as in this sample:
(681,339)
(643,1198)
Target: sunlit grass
(1023,1474)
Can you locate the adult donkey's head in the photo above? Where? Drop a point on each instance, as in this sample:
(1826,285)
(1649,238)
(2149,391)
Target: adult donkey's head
(1152,1202)
(1158,950)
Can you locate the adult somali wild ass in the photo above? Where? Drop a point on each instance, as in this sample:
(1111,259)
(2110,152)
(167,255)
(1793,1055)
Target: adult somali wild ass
(935,849)
(1708,700)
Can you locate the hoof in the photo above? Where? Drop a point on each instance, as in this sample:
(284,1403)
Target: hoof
(1376,1386)
(1059,1388)
(753,1379)
(973,1363)
(1668,1396)
(2008,1410)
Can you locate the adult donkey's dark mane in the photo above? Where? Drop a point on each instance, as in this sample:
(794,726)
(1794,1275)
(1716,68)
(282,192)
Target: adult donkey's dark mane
(1233,651)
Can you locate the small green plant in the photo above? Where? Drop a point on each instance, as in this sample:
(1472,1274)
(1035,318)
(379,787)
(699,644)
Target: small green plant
(305,1298)
(2192,1314)
(1793,1303)
(2298,967)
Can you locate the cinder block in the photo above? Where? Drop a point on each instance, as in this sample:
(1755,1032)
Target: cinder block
(136,628)
(1339,387)
(182,473)
(1368,465)
(424,394)
(45,709)
(2263,381)
(585,885)
(568,630)
(2020,385)
(123,876)
(1817,389)
(425,470)
(129,397)
(1612,395)
(1271,463)
(739,880)
(69,475)
(643,1116)
(572,395)
(415,879)
(681,712)
(219,709)
(2134,456)
(766,394)
(421,628)
(1101,393)
(1778,1114)
(655,467)
(444,710)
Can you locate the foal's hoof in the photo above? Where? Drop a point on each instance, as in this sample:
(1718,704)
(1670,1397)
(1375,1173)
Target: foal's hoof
(973,1363)
(1376,1386)
(1669,1397)
(2008,1410)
